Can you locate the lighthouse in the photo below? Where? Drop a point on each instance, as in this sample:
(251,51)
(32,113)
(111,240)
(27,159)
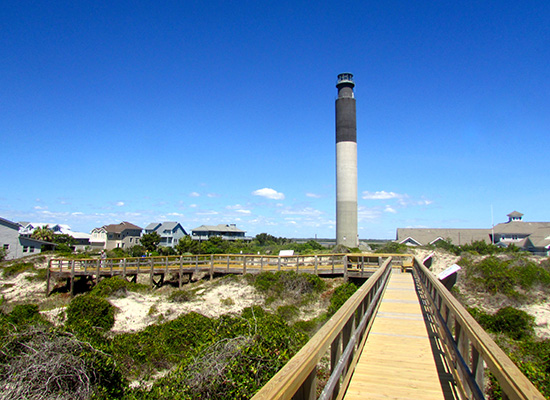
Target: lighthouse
(346,163)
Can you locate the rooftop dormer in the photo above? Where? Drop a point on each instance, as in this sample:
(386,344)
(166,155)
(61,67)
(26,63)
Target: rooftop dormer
(514,216)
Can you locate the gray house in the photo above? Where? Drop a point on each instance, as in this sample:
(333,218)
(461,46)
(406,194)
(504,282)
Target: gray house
(170,232)
(15,244)
(225,231)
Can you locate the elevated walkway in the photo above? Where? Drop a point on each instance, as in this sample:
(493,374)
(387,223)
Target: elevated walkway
(398,361)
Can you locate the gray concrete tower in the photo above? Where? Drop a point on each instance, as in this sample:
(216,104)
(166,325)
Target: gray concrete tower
(346,163)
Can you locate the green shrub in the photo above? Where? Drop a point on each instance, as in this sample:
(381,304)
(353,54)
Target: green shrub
(288,312)
(17,268)
(161,346)
(515,323)
(341,294)
(88,313)
(288,285)
(116,286)
(181,296)
(393,247)
(39,363)
(245,352)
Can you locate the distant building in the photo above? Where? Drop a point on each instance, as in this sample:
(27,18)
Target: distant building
(81,239)
(531,236)
(123,235)
(16,243)
(225,231)
(170,232)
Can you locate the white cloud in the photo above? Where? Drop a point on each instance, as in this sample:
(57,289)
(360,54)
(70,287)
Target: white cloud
(390,209)
(120,204)
(211,212)
(238,208)
(269,194)
(313,195)
(307,211)
(212,195)
(381,195)
(194,194)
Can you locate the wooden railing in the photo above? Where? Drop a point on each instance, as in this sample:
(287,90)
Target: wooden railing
(341,337)
(468,348)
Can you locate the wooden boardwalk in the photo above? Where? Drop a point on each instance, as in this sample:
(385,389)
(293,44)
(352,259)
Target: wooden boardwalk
(397,361)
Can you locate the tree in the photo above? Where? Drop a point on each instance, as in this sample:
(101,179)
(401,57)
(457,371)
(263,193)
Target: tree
(150,241)
(43,233)
(187,245)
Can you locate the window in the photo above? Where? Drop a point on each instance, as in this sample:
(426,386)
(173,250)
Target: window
(6,247)
(31,250)
(25,249)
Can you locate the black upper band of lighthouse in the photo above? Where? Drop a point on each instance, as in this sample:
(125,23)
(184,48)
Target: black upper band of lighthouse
(346,126)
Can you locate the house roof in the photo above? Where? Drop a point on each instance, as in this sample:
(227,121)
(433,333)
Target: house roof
(540,237)
(218,228)
(520,227)
(515,214)
(119,228)
(163,226)
(11,224)
(428,235)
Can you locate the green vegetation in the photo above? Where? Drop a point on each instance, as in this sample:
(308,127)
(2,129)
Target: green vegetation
(116,286)
(181,296)
(150,241)
(479,247)
(341,294)
(393,247)
(513,277)
(88,313)
(16,268)
(514,330)
(39,361)
(287,285)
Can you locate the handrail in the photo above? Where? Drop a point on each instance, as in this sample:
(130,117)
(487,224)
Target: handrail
(297,379)
(469,349)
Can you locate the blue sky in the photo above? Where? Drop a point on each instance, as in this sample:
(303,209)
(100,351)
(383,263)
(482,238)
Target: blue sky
(208,112)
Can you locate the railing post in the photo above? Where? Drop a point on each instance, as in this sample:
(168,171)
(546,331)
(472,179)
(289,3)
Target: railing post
(335,353)
(211,266)
(48,273)
(180,275)
(308,390)
(151,274)
(244,265)
(316,265)
(72,277)
(345,268)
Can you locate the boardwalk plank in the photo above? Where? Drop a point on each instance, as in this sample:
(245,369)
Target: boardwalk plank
(397,361)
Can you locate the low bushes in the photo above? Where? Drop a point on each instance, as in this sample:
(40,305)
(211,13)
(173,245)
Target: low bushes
(505,276)
(341,294)
(116,286)
(287,285)
(230,357)
(89,315)
(17,268)
(514,323)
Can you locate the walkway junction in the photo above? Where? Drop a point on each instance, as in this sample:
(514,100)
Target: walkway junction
(402,335)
